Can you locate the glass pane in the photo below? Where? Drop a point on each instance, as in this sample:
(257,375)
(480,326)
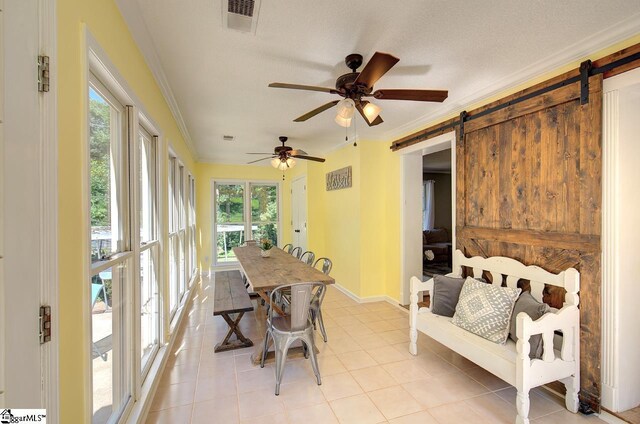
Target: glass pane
(103,168)
(264,203)
(228,237)
(265,231)
(173,273)
(149,306)
(180,205)
(181,265)
(146,193)
(229,203)
(108,342)
(172,191)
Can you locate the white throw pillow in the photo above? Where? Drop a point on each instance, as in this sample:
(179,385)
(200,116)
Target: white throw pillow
(485,309)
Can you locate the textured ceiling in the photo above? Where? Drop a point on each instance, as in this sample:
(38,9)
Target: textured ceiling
(219,77)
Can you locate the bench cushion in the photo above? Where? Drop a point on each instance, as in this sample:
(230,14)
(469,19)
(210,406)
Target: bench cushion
(485,309)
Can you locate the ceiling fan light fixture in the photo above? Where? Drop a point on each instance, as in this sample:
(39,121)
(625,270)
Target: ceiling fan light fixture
(346,108)
(342,121)
(283,164)
(371,111)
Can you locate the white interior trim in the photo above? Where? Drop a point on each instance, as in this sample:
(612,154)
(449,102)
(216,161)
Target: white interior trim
(49,285)
(369,299)
(411,209)
(618,390)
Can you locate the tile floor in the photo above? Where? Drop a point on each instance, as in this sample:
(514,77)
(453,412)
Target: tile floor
(368,376)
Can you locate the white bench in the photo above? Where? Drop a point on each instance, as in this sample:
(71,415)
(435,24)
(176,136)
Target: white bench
(511,361)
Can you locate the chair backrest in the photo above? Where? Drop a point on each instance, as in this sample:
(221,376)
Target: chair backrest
(296,251)
(308,257)
(287,247)
(326,265)
(301,295)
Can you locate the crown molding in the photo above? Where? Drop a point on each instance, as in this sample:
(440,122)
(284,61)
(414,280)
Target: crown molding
(133,18)
(575,52)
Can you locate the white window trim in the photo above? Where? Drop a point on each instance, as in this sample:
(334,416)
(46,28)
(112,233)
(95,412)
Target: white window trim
(247,210)
(96,61)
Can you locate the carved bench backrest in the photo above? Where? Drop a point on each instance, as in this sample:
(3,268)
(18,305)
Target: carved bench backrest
(500,267)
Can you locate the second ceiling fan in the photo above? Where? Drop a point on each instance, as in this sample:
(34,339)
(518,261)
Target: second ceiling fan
(355,86)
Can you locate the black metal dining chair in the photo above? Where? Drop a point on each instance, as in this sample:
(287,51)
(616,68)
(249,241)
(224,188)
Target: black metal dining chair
(296,251)
(287,247)
(308,257)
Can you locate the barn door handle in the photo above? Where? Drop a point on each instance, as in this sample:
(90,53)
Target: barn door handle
(297,231)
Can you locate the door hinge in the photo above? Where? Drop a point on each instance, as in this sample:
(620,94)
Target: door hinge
(43,74)
(45,324)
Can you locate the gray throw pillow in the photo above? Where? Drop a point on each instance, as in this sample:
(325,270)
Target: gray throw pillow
(527,303)
(446,291)
(485,309)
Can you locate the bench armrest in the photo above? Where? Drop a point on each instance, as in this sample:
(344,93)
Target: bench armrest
(566,320)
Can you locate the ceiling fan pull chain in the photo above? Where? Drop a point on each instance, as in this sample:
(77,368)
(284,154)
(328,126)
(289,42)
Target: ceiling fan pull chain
(355,133)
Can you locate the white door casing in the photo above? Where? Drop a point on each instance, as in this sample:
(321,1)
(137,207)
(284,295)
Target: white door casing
(620,234)
(299,212)
(411,206)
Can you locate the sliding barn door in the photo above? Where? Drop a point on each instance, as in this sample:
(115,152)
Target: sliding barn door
(529,187)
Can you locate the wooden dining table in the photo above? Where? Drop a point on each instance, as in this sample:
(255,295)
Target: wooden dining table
(265,274)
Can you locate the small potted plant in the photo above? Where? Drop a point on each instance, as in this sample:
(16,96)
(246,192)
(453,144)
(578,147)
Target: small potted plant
(265,247)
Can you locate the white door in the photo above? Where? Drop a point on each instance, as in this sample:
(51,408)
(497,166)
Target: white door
(20,223)
(299,212)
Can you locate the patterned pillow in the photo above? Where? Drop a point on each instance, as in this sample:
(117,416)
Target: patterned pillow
(485,309)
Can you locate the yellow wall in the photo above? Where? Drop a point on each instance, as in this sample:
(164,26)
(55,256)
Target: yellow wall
(358,228)
(102,18)
(206,172)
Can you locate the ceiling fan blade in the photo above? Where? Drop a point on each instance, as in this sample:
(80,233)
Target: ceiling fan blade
(415,95)
(297,152)
(316,111)
(308,158)
(360,105)
(303,87)
(258,160)
(379,65)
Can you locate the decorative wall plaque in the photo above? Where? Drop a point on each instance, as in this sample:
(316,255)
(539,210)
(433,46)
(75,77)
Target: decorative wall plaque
(339,179)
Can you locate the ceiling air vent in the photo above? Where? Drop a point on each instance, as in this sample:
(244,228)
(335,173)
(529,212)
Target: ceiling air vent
(228,137)
(240,15)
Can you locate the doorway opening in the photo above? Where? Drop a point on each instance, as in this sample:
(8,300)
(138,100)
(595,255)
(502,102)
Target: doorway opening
(437,219)
(412,177)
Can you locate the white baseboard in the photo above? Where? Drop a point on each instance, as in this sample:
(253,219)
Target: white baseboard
(610,418)
(370,299)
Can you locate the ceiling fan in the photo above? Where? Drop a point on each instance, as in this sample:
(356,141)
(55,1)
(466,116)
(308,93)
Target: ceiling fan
(355,86)
(282,157)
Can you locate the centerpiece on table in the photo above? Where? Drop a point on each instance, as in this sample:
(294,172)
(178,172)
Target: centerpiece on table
(265,248)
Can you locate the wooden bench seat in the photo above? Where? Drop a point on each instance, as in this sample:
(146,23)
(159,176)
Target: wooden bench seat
(231,297)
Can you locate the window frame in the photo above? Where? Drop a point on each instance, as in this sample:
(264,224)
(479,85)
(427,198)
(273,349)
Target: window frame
(247,222)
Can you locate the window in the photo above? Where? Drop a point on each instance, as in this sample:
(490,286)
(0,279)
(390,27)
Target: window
(244,210)
(193,262)
(181,231)
(149,305)
(111,257)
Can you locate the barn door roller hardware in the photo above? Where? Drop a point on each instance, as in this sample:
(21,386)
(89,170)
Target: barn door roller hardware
(585,71)
(463,117)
